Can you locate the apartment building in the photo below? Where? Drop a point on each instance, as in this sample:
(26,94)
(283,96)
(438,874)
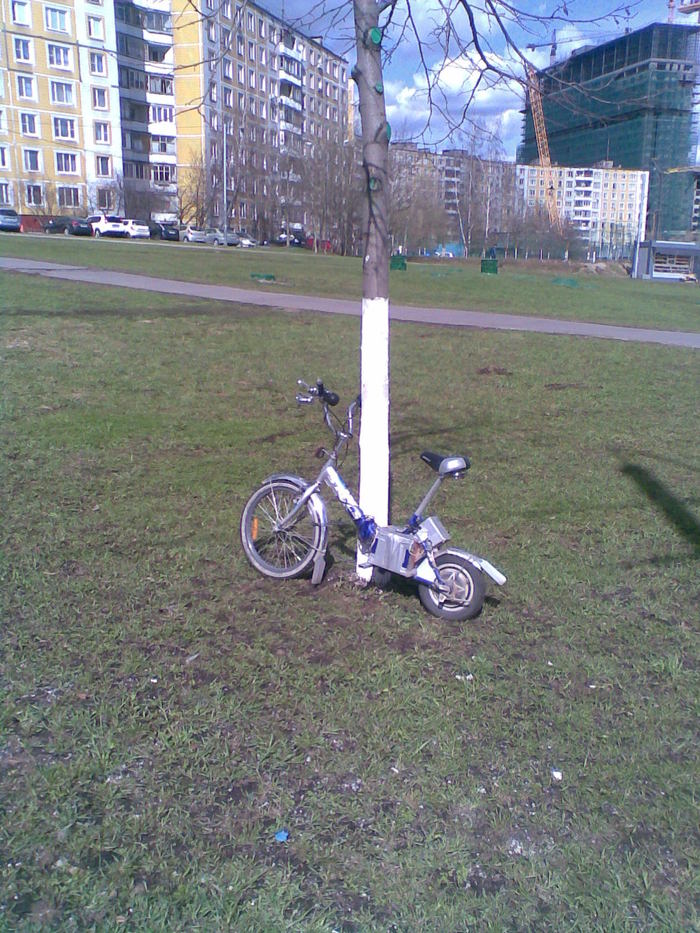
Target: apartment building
(605,203)
(634,100)
(59,106)
(253,99)
(148,106)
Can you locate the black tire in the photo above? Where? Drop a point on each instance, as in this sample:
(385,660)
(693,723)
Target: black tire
(280,554)
(467,592)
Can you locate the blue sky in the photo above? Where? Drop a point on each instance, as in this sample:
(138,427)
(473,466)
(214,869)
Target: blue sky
(496,104)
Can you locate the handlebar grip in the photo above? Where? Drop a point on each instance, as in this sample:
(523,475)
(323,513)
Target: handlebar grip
(330,398)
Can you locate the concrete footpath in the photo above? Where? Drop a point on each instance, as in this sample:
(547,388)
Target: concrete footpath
(261,295)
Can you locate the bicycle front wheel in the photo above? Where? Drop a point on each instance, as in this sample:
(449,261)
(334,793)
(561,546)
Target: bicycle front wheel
(280,554)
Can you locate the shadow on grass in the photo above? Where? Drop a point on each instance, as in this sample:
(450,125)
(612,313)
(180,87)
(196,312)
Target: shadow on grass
(678,515)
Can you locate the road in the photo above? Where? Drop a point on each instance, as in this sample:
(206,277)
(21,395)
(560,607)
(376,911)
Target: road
(261,295)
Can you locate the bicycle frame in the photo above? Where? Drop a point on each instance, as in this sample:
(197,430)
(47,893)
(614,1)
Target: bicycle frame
(409,550)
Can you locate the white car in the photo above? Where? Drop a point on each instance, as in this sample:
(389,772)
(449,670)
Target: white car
(194,234)
(107,225)
(217,236)
(137,228)
(246,240)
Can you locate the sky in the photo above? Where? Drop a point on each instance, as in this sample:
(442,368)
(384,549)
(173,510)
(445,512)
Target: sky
(493,104)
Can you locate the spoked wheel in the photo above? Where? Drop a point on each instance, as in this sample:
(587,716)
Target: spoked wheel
(467,590)
(281,554)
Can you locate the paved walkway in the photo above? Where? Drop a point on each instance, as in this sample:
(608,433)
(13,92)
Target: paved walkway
(285,302)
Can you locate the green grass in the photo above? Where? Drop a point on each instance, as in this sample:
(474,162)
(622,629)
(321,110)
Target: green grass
(165,711)
(553,290)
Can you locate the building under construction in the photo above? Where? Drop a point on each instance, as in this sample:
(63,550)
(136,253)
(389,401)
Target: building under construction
(635,102)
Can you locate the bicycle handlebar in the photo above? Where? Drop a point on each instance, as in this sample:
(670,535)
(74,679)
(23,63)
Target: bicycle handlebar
(328,398)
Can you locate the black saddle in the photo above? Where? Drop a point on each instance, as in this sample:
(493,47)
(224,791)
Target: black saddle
(445,466)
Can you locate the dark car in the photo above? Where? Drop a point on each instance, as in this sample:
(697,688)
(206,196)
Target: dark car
(77,226)
(9,220)
(163,231)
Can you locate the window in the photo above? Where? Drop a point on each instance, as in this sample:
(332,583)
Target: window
(163,173)
(99,98)
(103,166)
(25,87)
(21,13)
(4,158)
(23,50)
(162,114)
(228,97)
(163,144)
(98,63)
(158,85)
(228,69)
(241,74)
(66,163)
(213,94)
(251,22)
(251,50)
(63,128)
(56,19)
(226,9)
(95,27)
(61,93)
(102,133)
(33,195)
(31,160)
(211,31)
(105,199)
(68,196)
(261,28)
(251,78)
(5,192)
(239,45)
(59,56)
(28,124)
(136,170)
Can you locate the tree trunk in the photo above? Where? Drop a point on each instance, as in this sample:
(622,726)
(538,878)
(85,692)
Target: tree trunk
(374,361)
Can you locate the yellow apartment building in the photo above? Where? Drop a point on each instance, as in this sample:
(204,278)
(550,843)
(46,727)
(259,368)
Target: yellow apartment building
(60,145)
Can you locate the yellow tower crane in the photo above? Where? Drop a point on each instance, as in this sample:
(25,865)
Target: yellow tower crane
(543,147)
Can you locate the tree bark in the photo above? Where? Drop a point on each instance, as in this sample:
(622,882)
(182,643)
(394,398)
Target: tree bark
(374,351)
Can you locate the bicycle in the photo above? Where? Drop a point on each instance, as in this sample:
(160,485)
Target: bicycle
(284,527)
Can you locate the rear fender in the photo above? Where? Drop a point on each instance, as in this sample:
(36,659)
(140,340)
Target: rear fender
(480,563)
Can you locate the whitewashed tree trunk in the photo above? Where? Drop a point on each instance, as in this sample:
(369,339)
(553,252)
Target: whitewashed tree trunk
(374,349)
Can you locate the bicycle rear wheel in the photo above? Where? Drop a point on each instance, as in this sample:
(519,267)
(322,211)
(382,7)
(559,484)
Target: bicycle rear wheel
(280,554)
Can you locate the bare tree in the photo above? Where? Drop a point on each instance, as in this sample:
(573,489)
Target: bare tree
(478,37)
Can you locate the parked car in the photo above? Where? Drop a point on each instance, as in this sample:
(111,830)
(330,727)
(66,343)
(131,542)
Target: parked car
(163,231)
(77,226)
(219,238)
(296,239)
(245,239)
(136,229)
(107,225)
(9,220)
(194,234)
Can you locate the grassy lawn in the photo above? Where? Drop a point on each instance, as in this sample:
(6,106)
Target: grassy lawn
(547,290)
(165,712)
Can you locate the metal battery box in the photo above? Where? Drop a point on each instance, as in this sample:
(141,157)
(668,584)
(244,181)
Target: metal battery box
(398,550)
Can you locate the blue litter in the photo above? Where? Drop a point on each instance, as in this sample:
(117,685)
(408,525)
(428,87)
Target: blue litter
(282,835)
